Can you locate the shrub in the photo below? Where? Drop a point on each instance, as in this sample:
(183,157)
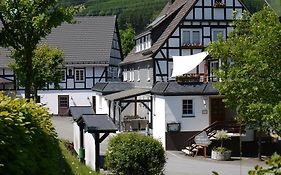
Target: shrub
(135,154)
(28,141)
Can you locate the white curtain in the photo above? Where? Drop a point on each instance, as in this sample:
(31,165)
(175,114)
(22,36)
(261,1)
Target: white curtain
(184,64)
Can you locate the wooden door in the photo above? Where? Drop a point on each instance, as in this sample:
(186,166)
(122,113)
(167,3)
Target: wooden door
(217,110)
(94,103)
(63,105)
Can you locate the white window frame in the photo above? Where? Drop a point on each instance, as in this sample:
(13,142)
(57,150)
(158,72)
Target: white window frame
(138,45)
(133,75)
(138,72)
(63,75)
(218,30)
(125,75)
(80,78)
(191,36)
(187,114)
(148,73)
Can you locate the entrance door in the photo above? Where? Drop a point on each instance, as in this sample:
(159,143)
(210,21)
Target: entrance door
(63,105)
(94,103)
(217,110)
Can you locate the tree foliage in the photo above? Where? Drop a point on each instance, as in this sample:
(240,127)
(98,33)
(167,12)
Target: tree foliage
(47,64)
(25,23)
(135,154)
(28,142)
(274,166)
(251,73)
(127,39)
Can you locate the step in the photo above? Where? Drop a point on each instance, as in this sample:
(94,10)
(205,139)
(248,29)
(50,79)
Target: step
(187,152)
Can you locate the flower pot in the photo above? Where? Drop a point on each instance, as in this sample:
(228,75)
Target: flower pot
(218,155)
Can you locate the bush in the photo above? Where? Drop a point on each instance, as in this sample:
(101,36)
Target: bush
(135,154)
(28,141)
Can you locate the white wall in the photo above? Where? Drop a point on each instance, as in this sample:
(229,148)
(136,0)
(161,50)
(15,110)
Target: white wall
(76,137)
(173,113)
(159,124)
(76,98)
(89,143)
(101,104)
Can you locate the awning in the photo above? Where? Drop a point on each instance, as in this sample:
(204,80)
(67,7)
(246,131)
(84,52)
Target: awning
(185,64)
(100,123)
(78,111)
(127,94)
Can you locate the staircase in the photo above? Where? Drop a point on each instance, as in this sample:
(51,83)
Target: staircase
(230,126)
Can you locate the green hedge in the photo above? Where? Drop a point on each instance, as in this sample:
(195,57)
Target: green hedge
(135,154)
(28,141)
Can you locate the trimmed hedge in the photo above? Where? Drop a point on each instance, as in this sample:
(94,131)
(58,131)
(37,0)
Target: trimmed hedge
(28,141)
(135,154)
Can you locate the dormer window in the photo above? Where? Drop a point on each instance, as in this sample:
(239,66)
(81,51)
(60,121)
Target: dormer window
(143,43)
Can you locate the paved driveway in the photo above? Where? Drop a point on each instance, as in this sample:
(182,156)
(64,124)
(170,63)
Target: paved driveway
(177,162)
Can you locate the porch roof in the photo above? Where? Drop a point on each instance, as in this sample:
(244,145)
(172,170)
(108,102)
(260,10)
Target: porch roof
(78,111)
(98,123)
(111,87)
(127,94)
(183,88)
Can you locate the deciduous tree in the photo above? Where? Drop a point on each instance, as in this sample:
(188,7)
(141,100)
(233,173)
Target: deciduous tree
(47,63)
(127,39)
(251,73)
(25,23)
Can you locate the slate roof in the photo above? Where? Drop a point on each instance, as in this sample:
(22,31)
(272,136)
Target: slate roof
(178,89)
(181,8)
(112,87)
(4,57)
(127,94)
(77,111)
(98,123)
(5,81)
(87,41)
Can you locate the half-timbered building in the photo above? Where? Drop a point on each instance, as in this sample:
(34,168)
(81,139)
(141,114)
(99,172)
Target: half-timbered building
(176,107)
(92,52)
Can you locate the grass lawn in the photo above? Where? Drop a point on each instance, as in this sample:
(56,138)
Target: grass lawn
(73,164)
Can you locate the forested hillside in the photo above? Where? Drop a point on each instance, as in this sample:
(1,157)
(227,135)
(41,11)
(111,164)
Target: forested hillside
(138,13)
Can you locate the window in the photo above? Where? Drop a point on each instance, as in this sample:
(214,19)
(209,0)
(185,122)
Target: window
(138,45)
(214,65)
(133,75)
(125,75)
(218,32)
(63,75)
(138,74)
(79,75)
(148,73)
(191,36)
(187,108)
(70,72)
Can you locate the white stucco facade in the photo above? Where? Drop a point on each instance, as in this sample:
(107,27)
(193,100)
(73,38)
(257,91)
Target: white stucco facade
(101,104)
(89,144)
(76,137)
(76,98)
(168,109)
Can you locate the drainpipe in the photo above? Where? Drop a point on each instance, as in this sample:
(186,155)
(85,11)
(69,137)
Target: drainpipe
(81,149)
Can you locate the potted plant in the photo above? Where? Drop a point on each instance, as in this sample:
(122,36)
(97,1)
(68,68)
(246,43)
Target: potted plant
(221,153)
